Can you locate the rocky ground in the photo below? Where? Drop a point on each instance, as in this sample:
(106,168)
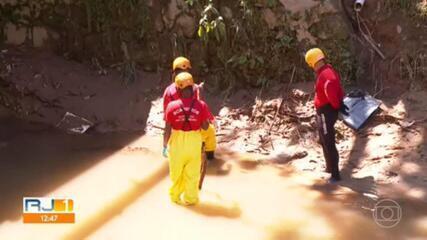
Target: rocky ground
(390,150)
(43,87)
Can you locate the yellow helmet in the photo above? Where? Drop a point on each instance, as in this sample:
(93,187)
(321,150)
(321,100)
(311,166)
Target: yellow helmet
(181,63)
(313,56)
(183,80)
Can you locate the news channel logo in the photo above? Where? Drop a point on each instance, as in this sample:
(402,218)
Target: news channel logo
(48,210)
(387,213)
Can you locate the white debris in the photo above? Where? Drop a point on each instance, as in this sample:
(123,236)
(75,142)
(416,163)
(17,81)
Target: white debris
(371,196)
(74,124)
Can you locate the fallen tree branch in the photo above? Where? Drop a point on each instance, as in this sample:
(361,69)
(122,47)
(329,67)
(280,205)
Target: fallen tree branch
(282,100)
(373,45)
(368,38)
(408,124)
(303,118)
(158,127)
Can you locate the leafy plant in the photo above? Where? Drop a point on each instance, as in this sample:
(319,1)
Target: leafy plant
(271,3)
(415,9)
(211,25)
(190,2)
(252,54)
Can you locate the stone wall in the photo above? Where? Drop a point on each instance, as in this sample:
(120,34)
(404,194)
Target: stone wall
(150,33)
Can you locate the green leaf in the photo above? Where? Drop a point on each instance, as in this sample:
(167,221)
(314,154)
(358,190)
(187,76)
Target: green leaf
(218,38)
(271,3)
(222,30)
(232,59)
(190,2)
(201,32)
(242,60)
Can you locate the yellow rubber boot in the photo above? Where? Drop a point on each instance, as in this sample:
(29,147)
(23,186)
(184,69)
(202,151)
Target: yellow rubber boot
(209,138)
(184,165)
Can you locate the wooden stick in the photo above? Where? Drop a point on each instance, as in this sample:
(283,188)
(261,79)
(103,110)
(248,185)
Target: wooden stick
(369,38)
(282,100)
(202,170)
(373,45)
(158,127)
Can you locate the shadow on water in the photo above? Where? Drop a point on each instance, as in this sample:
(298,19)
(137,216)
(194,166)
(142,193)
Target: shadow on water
(216,209)
(117,206)
(37,159)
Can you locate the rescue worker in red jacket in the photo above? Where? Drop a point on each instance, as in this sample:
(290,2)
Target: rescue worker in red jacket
(182,64)
(182,141)
(328,101)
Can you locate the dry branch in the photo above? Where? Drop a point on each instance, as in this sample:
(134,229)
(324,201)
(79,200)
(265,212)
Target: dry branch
(282,100)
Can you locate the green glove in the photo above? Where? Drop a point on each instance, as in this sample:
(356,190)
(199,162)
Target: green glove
(165,152)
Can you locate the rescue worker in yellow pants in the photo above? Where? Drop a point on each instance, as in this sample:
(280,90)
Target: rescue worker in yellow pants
(182,141)
(171,93)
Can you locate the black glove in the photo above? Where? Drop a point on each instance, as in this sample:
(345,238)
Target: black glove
(344,109)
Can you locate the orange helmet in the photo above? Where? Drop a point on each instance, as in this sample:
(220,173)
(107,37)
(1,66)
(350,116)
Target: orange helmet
(181,63)
(183,80)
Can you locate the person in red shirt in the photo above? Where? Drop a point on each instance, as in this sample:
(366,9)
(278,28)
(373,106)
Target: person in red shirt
(171,93)
(328,101)
(182,141)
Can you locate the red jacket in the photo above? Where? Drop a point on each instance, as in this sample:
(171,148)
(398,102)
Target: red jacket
(171,94)
(194,110)
(328,88)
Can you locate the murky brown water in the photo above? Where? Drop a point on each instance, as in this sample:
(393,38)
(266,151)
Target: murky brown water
(120,185)
(35,159)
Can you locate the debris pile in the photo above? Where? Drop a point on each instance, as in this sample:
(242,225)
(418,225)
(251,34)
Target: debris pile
(279,121)
(285,117)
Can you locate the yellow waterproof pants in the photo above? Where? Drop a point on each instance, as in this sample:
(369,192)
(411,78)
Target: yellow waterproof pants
(184,166)
(209,138)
